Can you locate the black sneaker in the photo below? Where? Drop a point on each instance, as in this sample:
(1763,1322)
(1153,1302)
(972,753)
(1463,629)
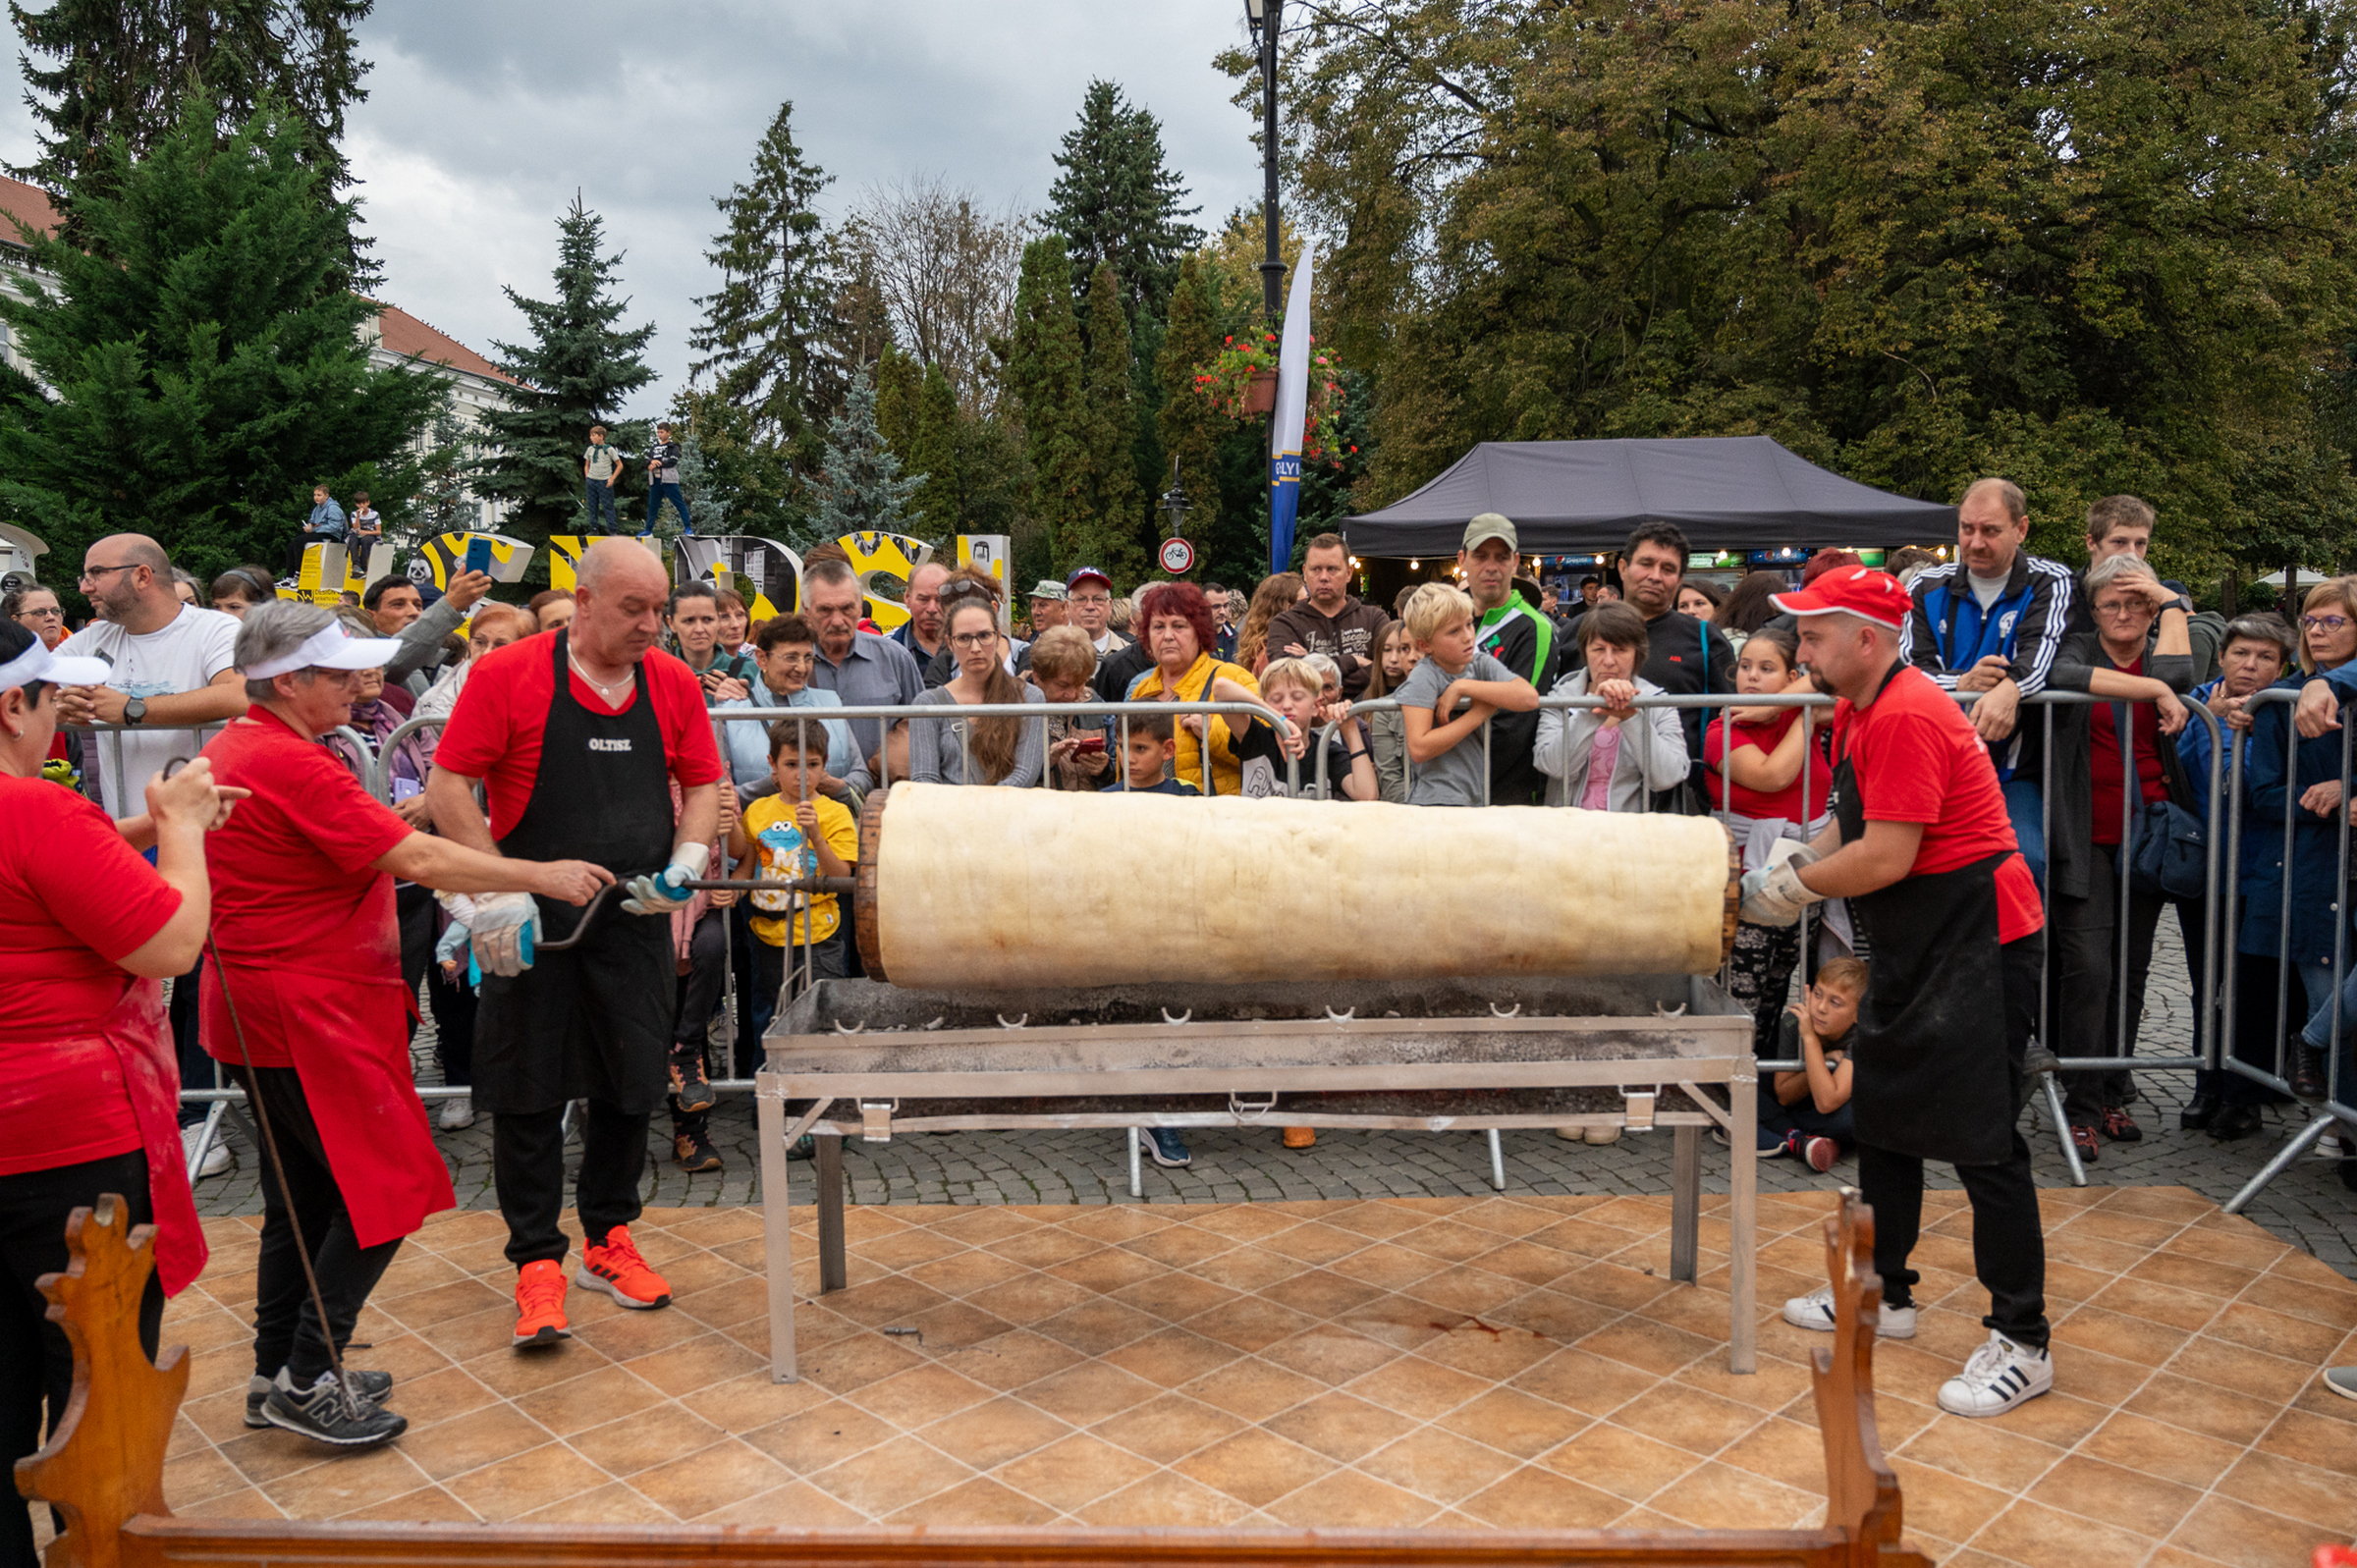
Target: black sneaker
(371,1385)
(1167,1149)
(691,1089)
(691,1151)
(325,1413)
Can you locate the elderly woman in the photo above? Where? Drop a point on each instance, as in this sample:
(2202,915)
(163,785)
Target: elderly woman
(2140,653)
(37,610)
(1178,631)
(992,751)
(2310,792)
(1610,758)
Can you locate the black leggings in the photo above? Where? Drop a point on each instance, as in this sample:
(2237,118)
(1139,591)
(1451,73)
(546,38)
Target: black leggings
(36,1363)
(286,1326)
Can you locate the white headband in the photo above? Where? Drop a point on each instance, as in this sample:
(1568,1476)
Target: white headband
(331,647)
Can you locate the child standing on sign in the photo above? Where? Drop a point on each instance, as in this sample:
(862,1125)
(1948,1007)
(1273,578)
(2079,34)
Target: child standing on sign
(792,838)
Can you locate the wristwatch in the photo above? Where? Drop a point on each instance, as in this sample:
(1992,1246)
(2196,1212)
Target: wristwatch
(135,711)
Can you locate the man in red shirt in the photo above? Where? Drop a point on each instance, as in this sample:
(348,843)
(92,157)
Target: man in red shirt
(1948,916)
(87,1081)
(307,1009)
(576,736)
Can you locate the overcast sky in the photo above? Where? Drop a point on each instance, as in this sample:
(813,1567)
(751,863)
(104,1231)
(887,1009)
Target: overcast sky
(484,116)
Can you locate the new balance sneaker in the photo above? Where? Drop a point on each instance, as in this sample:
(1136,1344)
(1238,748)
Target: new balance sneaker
(217,1155)
(455,1116)
(326,1412)
(1167,1149)
(1999,1376)
(617,1270)
(691,1088)
(692,1150)
(1816,1311)
(366,1382)
(540,1287)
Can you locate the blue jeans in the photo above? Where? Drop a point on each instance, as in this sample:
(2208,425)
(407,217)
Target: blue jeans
(601,498)
(2027,809)
(655,494)
(2317,980)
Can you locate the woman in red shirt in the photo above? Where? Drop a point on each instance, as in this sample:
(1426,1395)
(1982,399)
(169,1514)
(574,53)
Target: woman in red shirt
(89,1085)
(1767,775)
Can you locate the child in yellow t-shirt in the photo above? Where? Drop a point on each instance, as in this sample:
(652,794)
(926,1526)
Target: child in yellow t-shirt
(794,834)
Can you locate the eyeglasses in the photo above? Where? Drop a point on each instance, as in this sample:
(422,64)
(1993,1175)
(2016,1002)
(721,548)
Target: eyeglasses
(792,660)
(2324,622)
(974,640)
(1092,598)
(965,589)
(2123,612)
(47,611)
(94,573)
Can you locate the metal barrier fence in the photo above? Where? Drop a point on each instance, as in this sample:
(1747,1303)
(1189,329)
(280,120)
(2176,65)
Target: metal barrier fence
(2214,994)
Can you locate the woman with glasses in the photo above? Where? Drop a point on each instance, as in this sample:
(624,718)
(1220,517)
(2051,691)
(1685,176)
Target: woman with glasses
(37,610)
(978,751)
(2140,653)
(2310,789)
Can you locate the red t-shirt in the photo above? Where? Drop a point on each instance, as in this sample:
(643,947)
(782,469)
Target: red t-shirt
(494,733)
(1918,759)
(1729,795)
(74,899)
(295,880)
(2144,718)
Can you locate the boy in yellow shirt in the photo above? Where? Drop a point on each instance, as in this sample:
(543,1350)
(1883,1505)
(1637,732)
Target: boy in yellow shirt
(794,834)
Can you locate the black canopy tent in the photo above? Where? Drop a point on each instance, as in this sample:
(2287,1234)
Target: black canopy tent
(1576,497)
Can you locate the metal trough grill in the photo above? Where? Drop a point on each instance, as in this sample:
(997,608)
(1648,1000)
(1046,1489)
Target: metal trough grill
(861,1060)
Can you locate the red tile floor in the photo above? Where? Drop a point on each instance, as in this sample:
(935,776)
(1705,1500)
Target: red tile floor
(1454,1362)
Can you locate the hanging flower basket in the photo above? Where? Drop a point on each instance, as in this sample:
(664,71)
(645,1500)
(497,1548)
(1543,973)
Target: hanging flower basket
(1242,385)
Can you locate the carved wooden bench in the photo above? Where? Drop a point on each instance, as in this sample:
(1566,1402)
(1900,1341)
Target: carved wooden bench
(104,1474)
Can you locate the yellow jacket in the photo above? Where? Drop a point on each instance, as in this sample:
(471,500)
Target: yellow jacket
(1226,772)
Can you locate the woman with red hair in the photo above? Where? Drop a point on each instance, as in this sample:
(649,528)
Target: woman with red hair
(1174,621)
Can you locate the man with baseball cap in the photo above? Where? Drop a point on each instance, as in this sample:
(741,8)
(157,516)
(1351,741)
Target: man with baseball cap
(1048,606)
(307,1010)
(1088,601)
(1948,918)
(1510,630)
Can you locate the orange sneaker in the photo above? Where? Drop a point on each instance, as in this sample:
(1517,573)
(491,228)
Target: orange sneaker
(617,1270)
(540,1304)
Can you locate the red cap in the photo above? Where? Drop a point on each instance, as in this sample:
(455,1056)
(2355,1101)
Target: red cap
(1860,591)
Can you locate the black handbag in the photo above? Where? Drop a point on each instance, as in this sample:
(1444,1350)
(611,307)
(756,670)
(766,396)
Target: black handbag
(2171,856)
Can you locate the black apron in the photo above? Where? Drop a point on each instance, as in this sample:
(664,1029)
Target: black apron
(1933,1076)
(595,1021)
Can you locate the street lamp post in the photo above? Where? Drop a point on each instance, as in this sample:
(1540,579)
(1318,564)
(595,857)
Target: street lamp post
(1266,16)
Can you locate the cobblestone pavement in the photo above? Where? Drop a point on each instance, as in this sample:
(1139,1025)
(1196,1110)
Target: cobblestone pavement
(2307,1206)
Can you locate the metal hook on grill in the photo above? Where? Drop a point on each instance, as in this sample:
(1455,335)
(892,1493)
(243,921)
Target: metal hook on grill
(1515,1012)
(938,1021)
(1181,1018)
(859,1028)
(1017,1024)
(1343,1017)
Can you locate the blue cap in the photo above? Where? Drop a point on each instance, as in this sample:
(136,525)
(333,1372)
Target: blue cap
(1074,581)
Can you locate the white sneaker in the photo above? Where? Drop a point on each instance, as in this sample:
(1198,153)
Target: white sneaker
(216,1158)
(457,1114)
(1816,1311)
(1999,1376)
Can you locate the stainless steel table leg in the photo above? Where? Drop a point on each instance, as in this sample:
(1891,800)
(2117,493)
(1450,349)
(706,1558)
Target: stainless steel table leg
(1685,1200)
(1743,1218)
(1497,1161)
(210,1136)
(1137,1168)
(831,1274)
(777,1232)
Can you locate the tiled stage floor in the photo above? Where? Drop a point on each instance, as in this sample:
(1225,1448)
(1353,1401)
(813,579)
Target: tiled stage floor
(1453,1362)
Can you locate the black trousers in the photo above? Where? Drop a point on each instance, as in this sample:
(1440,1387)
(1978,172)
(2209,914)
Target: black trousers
(2008,1240)
(2257,1036)
(287,1332)
(2087,982)
(36,1363)
(196,1069)
(453,1002)
(528,1166)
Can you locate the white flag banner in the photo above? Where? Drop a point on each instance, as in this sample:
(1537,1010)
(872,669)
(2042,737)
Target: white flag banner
(1292,410)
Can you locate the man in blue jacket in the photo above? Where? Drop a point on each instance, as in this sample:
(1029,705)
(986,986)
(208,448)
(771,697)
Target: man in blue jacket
(1991,621)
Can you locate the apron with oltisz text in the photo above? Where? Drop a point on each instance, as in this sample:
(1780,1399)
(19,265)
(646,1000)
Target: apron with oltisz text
(1932,1075)
(602,794)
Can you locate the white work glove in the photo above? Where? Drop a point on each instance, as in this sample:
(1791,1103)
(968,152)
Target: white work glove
(668,889)
(1775,895)
(501,933)
(1800,851)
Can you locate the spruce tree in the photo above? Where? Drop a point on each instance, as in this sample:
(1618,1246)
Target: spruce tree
(1187,424)
(1045,373)
(204,355)
(443,504)
(765,330)
(577,371)
(1117,205)
(125,68)
(900,382)
(934,453)
(1116,540)
(860,489)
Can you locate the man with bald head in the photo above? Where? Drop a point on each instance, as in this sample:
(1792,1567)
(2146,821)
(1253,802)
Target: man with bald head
(591,744)
(921,633)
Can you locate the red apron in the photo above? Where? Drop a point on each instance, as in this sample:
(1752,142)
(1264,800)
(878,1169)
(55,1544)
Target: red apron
(136,1032)
(347,1036)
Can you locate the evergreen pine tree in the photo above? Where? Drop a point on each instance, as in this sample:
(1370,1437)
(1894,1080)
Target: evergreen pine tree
(1044,371)
(203,354)
(860,489)
(934,453)
(764,332)
(577,370)
(127,67)
(1117,541)
(900,381)
(1187,424)
(1117,205)
(443,504)
(746,479)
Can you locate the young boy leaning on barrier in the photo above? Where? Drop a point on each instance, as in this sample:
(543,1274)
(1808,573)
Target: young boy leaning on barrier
(1444,746)
(1147,751)
(1307,691)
